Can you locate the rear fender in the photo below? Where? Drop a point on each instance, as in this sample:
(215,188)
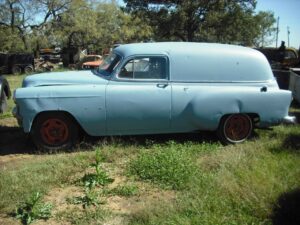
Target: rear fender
(271,106)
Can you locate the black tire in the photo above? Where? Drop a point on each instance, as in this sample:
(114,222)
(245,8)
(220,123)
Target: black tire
(235,128)
(28,69)
(54,131)
(3,102)
(16,70)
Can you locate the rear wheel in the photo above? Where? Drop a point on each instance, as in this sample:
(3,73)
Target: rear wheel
(28,69)
(235,128)
(54,131)
(16,70)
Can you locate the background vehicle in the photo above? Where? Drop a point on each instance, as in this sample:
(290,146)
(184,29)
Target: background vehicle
(4,93)
(16,63)
(90,62)
(289,58)
(281,62)
(294,84)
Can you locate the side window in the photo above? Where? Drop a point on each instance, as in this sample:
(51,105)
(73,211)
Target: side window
(153,67)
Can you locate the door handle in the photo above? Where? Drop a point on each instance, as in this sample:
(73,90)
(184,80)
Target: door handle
(162,85)
(264,89)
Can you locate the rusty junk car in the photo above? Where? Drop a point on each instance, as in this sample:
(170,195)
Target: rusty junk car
(4,93)
(151,88)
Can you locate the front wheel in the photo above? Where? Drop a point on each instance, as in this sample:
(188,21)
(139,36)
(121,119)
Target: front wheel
(235,128)
(54,131)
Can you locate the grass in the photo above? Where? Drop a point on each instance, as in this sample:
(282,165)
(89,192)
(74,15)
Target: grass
(127,190)
(175,179)
(234,185)
(222,185)
(168,165)
(87,217)
(38,175)
(14,81)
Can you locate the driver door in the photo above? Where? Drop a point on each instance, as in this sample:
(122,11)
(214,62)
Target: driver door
(139,100)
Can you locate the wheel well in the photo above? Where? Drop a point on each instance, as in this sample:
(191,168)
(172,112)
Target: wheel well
(65,113)
(253,116)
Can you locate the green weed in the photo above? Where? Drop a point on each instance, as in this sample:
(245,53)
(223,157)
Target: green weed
(90,198)
(33,209)
(90,180)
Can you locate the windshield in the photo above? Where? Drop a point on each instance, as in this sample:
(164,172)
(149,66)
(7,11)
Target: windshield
(109,63)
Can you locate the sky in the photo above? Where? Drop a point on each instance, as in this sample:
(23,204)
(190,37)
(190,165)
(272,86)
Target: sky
(288,12)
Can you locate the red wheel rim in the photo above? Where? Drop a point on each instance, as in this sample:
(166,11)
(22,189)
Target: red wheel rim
(237,128)
(54,131)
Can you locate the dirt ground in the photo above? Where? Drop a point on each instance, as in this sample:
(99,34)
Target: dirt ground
(14,144)
(16,147)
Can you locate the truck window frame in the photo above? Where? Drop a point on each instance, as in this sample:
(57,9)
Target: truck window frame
(127,60)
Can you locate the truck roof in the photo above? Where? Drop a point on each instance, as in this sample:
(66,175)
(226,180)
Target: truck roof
(172,48)
(191,61)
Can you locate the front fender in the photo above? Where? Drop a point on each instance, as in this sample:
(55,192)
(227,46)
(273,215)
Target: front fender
(86,103)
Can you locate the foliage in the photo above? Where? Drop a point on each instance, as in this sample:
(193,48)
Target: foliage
(201,20)
(100,177)
(266,29)
(168,166)
(24,17)
(95,25)
(28,25)
(33,209)
(90,198)
(90,181)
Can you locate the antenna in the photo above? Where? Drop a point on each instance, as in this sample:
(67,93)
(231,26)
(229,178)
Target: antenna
(288,34)
(277,31)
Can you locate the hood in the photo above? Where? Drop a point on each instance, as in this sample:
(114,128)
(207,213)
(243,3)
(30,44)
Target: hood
(63,78)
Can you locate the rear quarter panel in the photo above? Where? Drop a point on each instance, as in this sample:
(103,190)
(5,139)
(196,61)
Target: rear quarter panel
(201,106)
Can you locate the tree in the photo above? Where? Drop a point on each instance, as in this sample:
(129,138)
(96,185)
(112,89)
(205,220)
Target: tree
(265,26)
(97,26)
(76,26)
(231,21)
(116,26)
(20,16)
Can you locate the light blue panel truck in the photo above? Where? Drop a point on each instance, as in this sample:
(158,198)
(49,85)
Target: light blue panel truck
(151,88)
